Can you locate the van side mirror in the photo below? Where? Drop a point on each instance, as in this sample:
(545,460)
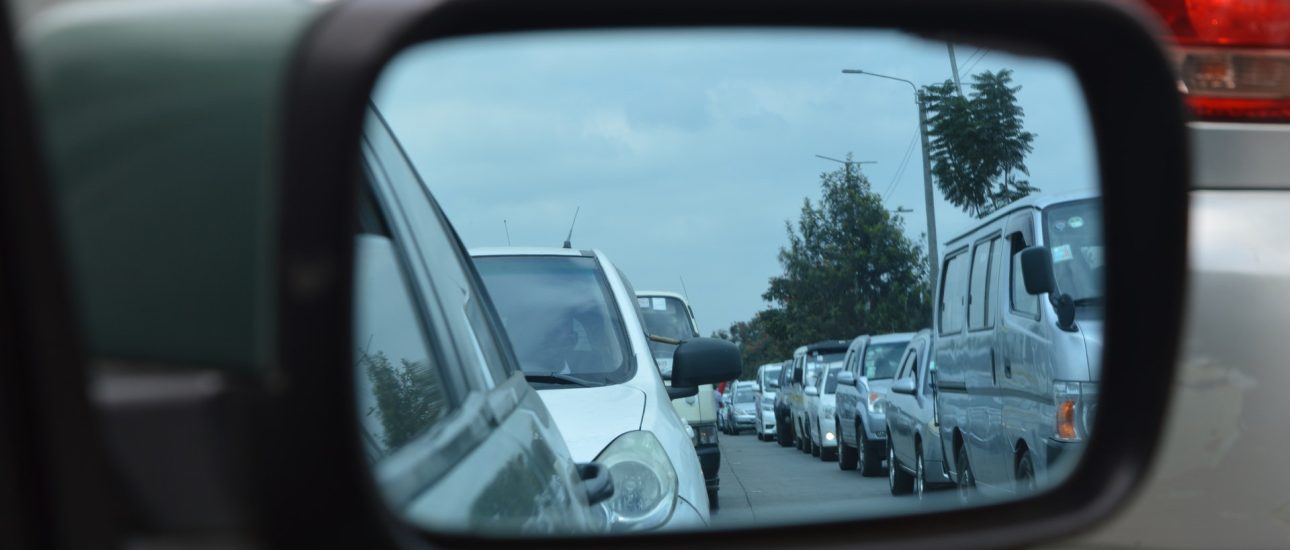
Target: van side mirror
(904,385)
(1037,270)
(811,391)
(701,361)
(845,378)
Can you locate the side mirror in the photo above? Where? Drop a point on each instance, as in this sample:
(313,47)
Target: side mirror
(705,361)
(1037,270)
(597,481)
(679,392)
(811,391)
(904,385)
(845,378)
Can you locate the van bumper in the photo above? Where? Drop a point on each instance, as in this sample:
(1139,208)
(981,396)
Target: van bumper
(1062,454)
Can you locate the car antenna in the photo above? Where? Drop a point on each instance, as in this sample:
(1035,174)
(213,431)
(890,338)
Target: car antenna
(568,241)
(508,232)
(683,290)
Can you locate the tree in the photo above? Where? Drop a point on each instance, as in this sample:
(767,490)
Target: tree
(408,397)
(759,340)
(977,143)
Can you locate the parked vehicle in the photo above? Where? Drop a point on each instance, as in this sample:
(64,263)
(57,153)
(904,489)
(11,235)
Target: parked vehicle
(669,314)
(741,413)
(768,385)
(572,318)
(397,300)
(1019,341)
(724,405)
(808,362)
(862,387)
(821,406)
(915,449)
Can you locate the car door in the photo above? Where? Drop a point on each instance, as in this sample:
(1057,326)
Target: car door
(899,418)
(520,466)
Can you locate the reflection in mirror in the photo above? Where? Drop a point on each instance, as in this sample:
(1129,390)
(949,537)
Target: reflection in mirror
(843,206)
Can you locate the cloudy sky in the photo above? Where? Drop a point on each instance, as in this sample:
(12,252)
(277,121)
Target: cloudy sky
(688,150)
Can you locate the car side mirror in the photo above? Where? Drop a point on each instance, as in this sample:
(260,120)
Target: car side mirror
(597,481)
(845,378)
(811,391)
(701,361)
(1037,270)
(680,392)
(904,385)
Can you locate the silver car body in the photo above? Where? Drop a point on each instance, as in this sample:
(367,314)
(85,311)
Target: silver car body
(911,418)
(591,418)
(820,409)
(805,373)
(860,408)
(768,383)
(998,381)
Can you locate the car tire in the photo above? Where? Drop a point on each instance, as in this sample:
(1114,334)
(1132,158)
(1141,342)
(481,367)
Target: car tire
(920,474)
(1025,475)
(847,455)
(816,450)
(900,482)
(966,480)
(713,501)
(781,434)
(870,461)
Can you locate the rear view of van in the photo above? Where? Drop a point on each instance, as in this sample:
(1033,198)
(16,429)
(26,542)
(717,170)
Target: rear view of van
(1018,328)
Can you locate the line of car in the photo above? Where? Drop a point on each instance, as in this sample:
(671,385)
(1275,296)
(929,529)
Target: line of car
(997,397)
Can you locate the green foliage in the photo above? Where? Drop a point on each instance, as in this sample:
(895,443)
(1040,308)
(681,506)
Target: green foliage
(978,144)
(409,397)
(849,270)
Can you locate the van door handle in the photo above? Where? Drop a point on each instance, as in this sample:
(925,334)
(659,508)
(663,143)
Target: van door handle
(1007,368)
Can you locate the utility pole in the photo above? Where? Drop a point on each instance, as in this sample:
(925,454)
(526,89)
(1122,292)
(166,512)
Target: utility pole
(933,258)
(848,163)
(954,66)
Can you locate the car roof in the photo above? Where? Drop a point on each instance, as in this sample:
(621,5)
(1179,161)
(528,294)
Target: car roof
(823,345)
(662,293)
(894,337)
(1037,202)
(528,251)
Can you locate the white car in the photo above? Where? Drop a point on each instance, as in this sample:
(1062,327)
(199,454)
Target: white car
(572,319)
(768,381)
(821,403)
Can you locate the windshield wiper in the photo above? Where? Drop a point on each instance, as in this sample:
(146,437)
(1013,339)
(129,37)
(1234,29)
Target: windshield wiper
(557,378)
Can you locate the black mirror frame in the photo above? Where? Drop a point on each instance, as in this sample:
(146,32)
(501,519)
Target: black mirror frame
(312,458)
(1037,270)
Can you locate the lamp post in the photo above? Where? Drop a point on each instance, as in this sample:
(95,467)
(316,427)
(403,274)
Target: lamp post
(933,259)
(848,163)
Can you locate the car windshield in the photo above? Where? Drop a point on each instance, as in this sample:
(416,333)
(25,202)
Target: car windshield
(831,382)
(769,378)
(881,360)
(744,395)
(817,362)
(1074,234)
(665,316)
(559,315)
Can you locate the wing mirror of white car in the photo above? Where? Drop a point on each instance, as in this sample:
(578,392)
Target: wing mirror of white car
(699,361)
(904,385)
(846,378)
(811,391)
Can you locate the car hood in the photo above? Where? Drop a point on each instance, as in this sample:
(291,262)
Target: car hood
(747,408)
(591,418)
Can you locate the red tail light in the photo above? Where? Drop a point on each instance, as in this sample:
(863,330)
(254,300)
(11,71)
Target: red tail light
(1233,56)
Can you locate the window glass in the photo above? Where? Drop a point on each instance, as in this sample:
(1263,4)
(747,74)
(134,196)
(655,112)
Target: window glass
(831,382)
(665,316)
(1074,234)
(881,360)
(952,294)
(771,373)
(559,314)
(979,299)
(1022,302)
(402,392)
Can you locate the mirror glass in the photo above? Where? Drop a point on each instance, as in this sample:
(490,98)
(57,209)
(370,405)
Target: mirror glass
(535,206)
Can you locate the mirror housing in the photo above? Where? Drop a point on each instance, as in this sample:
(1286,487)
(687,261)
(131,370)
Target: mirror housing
(701,361)
(597,481)
(811,391)
(904,385)
(1037,270)
(681,392)
(845,378)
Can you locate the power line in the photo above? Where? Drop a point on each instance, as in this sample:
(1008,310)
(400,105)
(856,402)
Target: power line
(900,171)
(978,60)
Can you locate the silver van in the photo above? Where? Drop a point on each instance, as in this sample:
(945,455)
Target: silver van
(1018,342)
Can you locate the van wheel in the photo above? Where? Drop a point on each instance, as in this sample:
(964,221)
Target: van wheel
(870,455)
(1026,475)
(713,501)
(920,475)
(816,450)
(966,481)
(901,483)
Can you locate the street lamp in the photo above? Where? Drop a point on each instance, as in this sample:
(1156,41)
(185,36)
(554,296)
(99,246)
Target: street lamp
(933,259)
(848,163)
(902,210)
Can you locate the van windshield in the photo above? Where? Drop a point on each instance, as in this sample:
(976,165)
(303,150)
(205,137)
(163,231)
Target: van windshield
(1073,232)
(665,316)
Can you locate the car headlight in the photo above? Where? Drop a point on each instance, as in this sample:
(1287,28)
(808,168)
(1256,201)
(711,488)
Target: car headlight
(707,434)
(876,403)
(644,482)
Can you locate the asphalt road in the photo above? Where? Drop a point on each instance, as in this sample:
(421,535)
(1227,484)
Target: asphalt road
(762,483)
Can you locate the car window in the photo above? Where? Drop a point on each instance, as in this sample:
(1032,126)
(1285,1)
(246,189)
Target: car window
(831,382)
(979,296)
(1021,301)
(1073,232)
(559,314)
(881,360)
(952,294)
(668,317)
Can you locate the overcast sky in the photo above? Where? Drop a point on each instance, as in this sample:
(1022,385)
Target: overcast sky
(688,150)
